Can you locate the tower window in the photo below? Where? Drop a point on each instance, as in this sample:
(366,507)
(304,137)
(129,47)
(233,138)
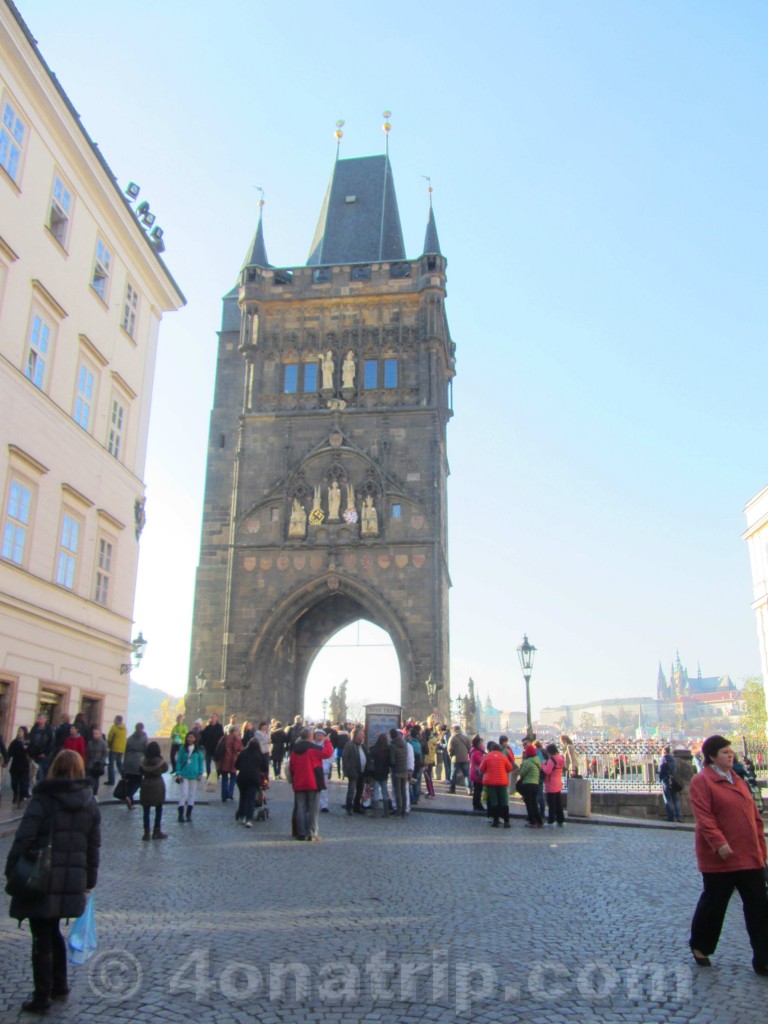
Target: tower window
(321,276)
(290,378)
(390,373)
(362,272)
(310,378)
(371,374)
(395,512)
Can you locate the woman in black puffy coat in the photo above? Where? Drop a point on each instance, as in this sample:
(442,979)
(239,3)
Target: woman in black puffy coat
(64,809)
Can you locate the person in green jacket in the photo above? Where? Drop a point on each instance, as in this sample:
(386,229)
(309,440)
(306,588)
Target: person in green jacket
(117,737)
(178,737)
(528,785)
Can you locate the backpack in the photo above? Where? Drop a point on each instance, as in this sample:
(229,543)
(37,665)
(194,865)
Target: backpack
(675,785)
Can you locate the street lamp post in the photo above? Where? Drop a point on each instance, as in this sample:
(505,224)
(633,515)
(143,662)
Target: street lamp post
(200,684)
(526,653)
(325,709)
(138,646)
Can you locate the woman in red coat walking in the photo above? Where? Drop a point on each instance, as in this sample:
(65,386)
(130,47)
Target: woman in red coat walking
(731,854)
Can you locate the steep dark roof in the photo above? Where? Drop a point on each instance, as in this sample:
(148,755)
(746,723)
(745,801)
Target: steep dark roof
(257,254)
(359,221)
(431,241)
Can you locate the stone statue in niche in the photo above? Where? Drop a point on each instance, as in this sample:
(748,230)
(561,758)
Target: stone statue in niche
(348,371)
(327,367)
(334,502)
(297,525)
(370,521)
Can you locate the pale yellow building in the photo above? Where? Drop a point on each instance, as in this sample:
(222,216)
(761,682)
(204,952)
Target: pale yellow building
(756,536)
(82,292)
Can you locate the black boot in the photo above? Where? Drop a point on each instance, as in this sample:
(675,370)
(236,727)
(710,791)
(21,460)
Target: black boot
(189,813)
(181,815)
(42,971)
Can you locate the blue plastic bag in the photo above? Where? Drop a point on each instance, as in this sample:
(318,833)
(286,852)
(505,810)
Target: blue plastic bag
(82,937)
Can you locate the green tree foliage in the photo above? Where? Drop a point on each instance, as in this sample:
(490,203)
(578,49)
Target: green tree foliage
(754,716)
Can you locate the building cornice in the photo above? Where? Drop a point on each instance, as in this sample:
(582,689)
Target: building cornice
(29,460)
(7,251)
(45,295)
(74,495)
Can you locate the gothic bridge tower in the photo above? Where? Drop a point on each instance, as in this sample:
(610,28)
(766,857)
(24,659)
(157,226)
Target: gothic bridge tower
(325,497)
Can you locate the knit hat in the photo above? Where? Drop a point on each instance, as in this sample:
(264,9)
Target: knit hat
(530,751)
(712,745)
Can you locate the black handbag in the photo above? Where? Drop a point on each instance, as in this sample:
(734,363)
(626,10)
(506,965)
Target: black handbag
(319,777)
(30,876)
(120,792)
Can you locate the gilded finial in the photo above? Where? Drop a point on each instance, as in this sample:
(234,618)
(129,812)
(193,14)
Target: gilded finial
(339,135)
(387,127)
(428,180)
(260,190)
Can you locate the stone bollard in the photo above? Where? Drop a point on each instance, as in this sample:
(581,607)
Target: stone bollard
(579,798)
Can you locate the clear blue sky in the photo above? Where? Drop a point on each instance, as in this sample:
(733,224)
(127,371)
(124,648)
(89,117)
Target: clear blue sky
(600,192)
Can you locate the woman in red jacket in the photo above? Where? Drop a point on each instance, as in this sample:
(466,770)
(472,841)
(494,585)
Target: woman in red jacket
(731,854)
(494,770)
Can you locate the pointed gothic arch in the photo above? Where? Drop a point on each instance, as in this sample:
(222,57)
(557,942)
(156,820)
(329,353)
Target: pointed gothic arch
(282,653)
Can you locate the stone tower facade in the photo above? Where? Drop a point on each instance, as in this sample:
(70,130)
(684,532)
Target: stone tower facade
(325,496)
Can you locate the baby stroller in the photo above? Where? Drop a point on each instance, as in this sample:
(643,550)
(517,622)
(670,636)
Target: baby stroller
(262,810)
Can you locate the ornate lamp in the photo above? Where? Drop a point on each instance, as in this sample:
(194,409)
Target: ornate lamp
(138,647)
(526,652)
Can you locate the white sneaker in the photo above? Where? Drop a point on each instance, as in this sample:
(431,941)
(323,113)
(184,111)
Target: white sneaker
(249,824)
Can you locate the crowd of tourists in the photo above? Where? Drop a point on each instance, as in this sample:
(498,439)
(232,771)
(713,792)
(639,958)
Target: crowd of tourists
(384,778)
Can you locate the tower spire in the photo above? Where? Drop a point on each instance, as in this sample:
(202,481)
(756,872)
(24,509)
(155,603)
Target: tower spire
(431,241)
(257,254)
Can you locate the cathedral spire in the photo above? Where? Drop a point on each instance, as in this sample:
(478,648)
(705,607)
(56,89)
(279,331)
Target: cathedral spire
(257,254)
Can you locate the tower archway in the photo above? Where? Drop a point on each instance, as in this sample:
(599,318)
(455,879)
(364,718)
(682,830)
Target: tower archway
(282,655)
(359,663)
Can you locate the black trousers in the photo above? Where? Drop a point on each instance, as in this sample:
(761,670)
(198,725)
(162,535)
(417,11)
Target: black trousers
(49,957)
(555,803)
(355,787)
(531,797)
(713,903)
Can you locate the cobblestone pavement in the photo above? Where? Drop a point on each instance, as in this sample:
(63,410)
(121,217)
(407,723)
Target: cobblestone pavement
(435,917)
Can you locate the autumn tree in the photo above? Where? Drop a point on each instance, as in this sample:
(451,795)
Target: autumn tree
(754,715)
(165,716)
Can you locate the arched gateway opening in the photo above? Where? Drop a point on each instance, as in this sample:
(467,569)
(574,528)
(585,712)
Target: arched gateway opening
(283,655)
(363,656)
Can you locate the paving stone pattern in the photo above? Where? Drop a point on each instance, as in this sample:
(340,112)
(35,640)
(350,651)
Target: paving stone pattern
(432,918)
